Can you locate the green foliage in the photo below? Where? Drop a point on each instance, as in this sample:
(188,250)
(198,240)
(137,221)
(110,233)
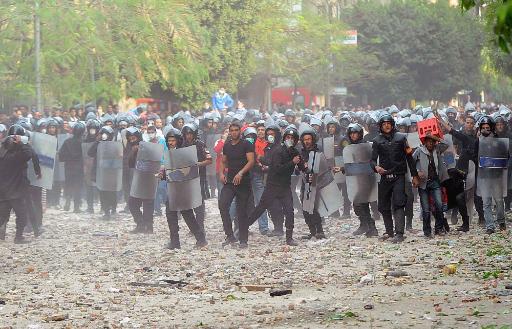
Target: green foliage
(422,50)
(102,50)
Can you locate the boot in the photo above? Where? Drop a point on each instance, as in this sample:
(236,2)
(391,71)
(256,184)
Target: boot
(319,232)
(148,229)
(67,205)
(312,232)
(90,210)
(277,233)
(106,216)
(399,238)
(174,243)
(229,240)
(362,229)
(201,243)
(138,229)
(408,223)
(372,230)
(289,238)
(20,239)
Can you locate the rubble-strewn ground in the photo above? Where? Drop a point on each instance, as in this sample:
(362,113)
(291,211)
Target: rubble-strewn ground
(70,278)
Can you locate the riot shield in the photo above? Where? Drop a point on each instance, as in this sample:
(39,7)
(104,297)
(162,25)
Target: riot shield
(109,168)
(88,164)
(147,166)
(492,167)
(124,140)
(361,179)
(413,139)
(322,192)
(45,146)
(339,177)
(211,139)
(183,185)
(59,174)
(449,154)
(328,148)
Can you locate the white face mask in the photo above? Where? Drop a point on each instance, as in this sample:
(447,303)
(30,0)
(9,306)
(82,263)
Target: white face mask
(271,139)
(92,131)
(151,135)
(104,137)
(288,143)
(43,131)
(24,139)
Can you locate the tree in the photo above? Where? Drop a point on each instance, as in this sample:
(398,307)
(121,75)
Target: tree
(424,50)
(103,49)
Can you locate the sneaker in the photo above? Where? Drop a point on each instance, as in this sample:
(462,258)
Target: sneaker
(372,233)
(173,246)
(462,229)
(307,237)
(489,231)
(320,236)
(398,238)
(201,244)
(243,245)
(386,236)
(229,240)
(503,227)
(360,230)
(291,242)
(276,233)
(138,229)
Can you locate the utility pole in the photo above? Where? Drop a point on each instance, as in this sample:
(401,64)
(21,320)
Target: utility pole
(37,37)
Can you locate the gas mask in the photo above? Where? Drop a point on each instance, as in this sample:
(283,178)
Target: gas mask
(24,139)
(92,131)
(250,140)
(288,143)
(104,137)
(271,139)
(43,131)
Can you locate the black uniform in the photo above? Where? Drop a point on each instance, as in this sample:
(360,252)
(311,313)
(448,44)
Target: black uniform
(14,184)
(144,218)
(71,155)
(277,195)
(393,155)
(33,198)
(108,199)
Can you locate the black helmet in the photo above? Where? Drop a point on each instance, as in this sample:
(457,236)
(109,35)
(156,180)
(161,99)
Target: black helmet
(486,120)
(189,128)
(93,124)
(52,123)
(386,118)
(277,131)
(249,131)
(355,128)
(291,131)
(176,133)
(78,129)
(107,130)
(59,120)
(25,124)
(132,131)
(41,124)
(16,129)
(289,113)
(309,131)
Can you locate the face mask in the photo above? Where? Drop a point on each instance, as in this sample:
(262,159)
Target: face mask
(24,139)
(43,131)
(485,132)
(288,143)
(271,139)
(104,137)
(92,131)
(152,135)
(251,140)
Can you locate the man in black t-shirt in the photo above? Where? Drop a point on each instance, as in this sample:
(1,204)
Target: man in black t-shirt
(237,160)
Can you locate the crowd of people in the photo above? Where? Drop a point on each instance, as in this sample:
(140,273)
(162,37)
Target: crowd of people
(264,167)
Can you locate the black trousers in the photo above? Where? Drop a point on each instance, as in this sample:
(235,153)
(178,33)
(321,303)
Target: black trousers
(199,213)
(241,194)
(127,184)
(90,196)
(108,200)
(73,188)
(20,210)
(346,202)
(53,195)
(362,211)
(279,202)
(190,220)
(392,195)
(144,217)
(34,207)
(314,222)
